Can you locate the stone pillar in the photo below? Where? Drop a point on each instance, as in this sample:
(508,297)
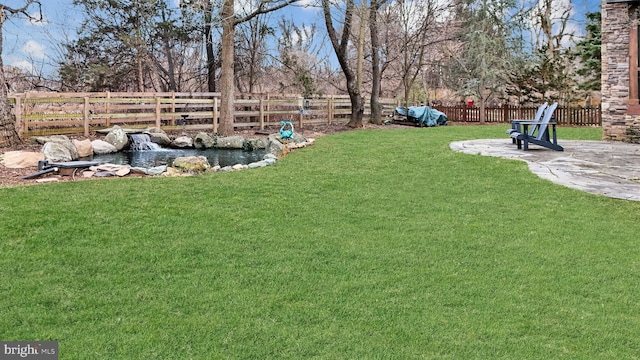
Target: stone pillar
(617,123)
(615,69)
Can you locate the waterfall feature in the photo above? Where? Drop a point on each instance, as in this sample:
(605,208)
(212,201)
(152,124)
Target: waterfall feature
(141,142)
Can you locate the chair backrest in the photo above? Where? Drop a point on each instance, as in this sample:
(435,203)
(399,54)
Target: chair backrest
(538,116)
(544,123)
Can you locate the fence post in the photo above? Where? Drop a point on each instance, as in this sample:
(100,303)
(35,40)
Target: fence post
(158,123)
(215,115)
(268,107)
(18,114)
(261,105)
(108,108)
(86,116)
(173,108)
(330,110)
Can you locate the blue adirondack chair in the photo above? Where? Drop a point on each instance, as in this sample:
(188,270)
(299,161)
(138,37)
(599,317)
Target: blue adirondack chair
(516,124)
(540,133)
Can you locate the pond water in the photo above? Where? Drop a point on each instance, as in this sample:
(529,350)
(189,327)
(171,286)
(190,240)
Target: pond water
(151,158)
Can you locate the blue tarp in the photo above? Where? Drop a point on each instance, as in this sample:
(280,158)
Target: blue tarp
(424,115)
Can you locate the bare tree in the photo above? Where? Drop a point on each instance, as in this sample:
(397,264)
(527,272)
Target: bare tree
(340,45)
(8,133)
(376,66)
(229,22)
(251,51)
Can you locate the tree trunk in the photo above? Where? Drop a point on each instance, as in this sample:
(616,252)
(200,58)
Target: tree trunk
(357,105)
(483,105)
(227,70)
(376,107)
(340,46)
(8,134)
(208,35)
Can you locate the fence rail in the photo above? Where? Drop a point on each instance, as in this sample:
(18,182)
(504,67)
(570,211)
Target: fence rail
(571,116)
(65,113)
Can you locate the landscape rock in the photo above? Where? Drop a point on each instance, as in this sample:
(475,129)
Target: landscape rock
(117,137)
(230,142)
(152,171)
(103,147)
(203,141)
(159,138)
(192,164)
(83,147)
(45,139)
(21,159)
(256,144)
(56,152)
(182,142)
(275,147)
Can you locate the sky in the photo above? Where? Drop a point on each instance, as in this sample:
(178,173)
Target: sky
(35,46)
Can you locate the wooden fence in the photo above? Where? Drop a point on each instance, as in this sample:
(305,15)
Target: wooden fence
(67,113)
(570,116)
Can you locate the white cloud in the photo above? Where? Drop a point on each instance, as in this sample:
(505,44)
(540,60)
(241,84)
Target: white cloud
(25,65)
(34,49)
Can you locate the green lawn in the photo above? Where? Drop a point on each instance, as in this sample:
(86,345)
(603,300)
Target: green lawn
(367,245)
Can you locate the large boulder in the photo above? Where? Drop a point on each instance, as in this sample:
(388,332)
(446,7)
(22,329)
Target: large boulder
(203,141)
(45,139)
(159,138)
(117,137)
(256,144)
(230,142)
(83,147)
(182,142)
(56,152)
(276,147)
(20,159)
(102,147)
(191,164)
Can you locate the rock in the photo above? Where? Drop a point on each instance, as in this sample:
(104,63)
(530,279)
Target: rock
(203,141)
(160,138)
(230,142)
(102,147)
(257,164)
(192,164)
(83,147)
(21,159)
(152,171)
(298,138)
(45,139)
(156,170)
(269,156)
(117,137)
(239,167)
(256,144)
(172,172)
(56,152)
(154,130)
(64,141)
(182,142)
(123,171)
(275,147)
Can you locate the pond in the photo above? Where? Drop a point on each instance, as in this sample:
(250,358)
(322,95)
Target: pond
(163,156)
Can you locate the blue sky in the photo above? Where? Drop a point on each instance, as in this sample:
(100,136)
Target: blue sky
(34,46)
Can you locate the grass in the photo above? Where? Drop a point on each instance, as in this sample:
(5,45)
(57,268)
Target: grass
(368,245)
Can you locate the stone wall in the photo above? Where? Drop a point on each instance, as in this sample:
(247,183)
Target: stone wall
(616,122)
